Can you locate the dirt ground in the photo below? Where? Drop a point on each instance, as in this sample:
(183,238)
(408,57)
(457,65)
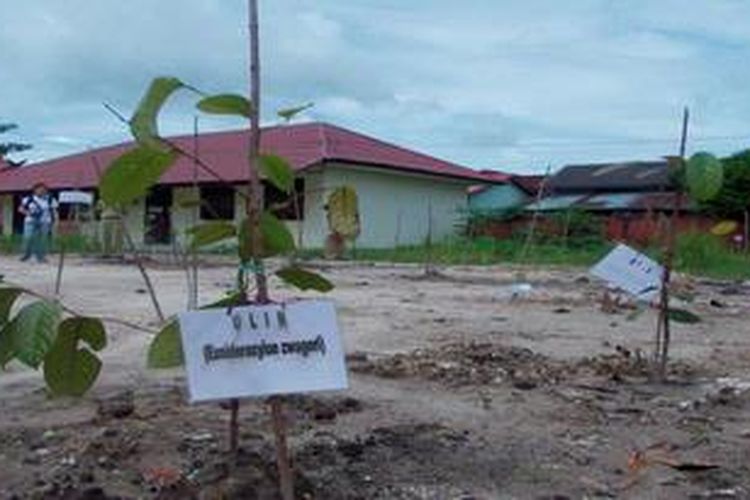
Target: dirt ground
(463,386)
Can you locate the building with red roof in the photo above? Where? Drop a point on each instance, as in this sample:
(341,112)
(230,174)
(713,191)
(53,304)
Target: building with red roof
(399,189)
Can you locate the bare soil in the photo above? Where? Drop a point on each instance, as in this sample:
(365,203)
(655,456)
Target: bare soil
(463,386)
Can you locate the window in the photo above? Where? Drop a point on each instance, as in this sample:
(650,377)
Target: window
(217,203)
(283,205)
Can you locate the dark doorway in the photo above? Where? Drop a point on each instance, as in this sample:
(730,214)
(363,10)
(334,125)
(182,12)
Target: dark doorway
(158,217)
(18,217)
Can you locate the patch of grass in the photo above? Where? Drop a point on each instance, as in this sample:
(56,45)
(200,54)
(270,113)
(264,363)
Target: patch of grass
(484,251)
(698,254)
(703,254)
(73,243)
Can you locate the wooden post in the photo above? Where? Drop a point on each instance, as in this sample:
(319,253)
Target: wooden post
(286,479)
(254,207)
(663,328)
(60,266)
(535,216)
(429,269)
(194,217)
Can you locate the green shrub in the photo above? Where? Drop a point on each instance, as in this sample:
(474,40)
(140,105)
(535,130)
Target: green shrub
(705,254)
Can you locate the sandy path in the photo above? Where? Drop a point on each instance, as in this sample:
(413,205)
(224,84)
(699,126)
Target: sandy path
(545,437)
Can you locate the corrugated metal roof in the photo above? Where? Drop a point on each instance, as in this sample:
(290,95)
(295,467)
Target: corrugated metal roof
(553,203)
(662,202)
(302,145)
(632,176)
(610,201)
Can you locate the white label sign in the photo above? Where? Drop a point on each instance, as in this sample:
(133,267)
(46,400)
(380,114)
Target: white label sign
(76,197)
(262,350)
(631,271)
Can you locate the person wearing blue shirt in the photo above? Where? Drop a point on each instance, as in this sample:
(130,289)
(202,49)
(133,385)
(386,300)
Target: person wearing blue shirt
(39,210)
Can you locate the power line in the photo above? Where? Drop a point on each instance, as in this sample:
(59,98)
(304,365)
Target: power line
(589,143)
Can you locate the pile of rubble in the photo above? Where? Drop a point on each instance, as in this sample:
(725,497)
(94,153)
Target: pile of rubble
(460,364)
(463,364)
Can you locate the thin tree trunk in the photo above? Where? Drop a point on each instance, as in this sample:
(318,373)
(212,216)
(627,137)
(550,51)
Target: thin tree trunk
(195,214)
(429,268)
(60,267)
(664,327)
(142,269)
(534,217)
(136,254)
(254,206)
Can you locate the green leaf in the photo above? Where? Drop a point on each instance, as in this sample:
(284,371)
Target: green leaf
(705,176)
(278,172)
(683,316)
(165,350)
(226,104)
(8,297)
(130,176)
(277,239)
(68,369)
(31,332)
(304,280)
(635,314)
(289,113)
(210,233)
(143,124)
(7,352)
(232,299)
(343,212)
(275,235)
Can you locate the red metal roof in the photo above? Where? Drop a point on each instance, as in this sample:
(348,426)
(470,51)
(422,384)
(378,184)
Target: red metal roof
(495,176)
(490,177)
(303,145)
(531,184)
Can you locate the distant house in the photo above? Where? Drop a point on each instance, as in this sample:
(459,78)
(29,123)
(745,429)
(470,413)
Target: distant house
(630,197)
(605,186)
(507,193)
(401,192)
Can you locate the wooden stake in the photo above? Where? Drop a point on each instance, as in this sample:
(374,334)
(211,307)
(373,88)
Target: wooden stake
(234,408)
(535,216)
(254,207)
(60,266)
(663,328)
(286,480)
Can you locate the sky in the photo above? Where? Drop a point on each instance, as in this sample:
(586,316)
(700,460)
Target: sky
(492,84)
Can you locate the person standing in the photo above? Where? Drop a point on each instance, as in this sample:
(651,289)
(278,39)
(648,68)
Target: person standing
(40,211)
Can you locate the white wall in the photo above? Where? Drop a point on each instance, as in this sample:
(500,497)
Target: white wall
(134,221)
(394,207)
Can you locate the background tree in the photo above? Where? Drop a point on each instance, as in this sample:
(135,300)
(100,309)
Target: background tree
(734,198)
(7,148)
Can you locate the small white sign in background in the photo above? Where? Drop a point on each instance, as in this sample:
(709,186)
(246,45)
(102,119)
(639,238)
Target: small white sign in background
(631,271)
(262,350)
(80,197)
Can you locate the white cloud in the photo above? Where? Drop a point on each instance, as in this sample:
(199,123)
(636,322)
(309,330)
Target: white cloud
(489,83)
